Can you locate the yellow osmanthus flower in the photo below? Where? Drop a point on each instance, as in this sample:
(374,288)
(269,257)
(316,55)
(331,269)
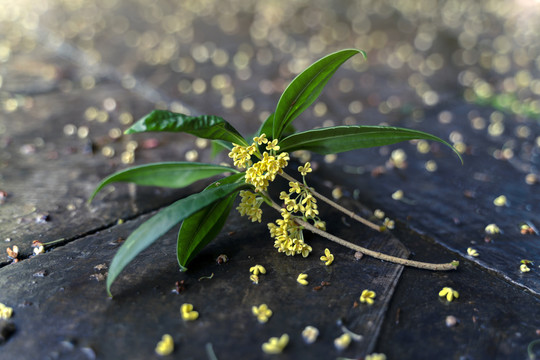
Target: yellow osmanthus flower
(492,229)
(304,170)
(310,334)
(262,312)
(295,187)
(188,314)
(397,195)
(260,139)
(472,252)
(165,346)
(500,201)
(367,296)
(257,269)
(328,258)
(254,278)
(301,279)
(342,342)
(389,224)
(272,145)
(249,206)
(524,268)
(379,214)
(263,172)
(241,155)
(275,345)
(375,356)
(5,312)
(450,293)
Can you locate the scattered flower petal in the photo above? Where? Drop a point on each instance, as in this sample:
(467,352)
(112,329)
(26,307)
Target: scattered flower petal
(450,293)
(328,258)
(275,345)
(472,252)
(310,334)
(302,279)
(262,312)
(524,268)
(342,342)
(257,269)
(375,356)
(165,346)
(367,297)
(492,229)
(500,201)
(389,224)
(254,278)
(379,214)
(5,312)
(188,314)
(398,195)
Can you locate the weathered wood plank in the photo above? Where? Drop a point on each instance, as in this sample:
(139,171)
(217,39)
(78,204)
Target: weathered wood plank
(74,308)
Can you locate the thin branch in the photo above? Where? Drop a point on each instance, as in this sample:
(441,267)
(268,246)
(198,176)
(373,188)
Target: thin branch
(338,207)
(375,254)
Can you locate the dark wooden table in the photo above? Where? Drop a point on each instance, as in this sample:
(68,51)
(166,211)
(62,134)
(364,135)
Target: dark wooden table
(74,75)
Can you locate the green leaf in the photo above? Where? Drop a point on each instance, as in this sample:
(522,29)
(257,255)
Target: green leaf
(267,127)
(201,228)
(159,224)
(219,146)
(338,139)
(204,126)
(166,174)
(306,87)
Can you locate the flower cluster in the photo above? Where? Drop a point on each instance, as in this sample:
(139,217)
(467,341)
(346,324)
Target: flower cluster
(261,173)
(250,205)
(289,236)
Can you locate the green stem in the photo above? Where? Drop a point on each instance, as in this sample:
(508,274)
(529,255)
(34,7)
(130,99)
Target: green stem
(375,254)
(339,207)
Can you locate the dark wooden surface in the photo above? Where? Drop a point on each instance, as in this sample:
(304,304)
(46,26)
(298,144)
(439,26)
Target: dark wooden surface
(61,61)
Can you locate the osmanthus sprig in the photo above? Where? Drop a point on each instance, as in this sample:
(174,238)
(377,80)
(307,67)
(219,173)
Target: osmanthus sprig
(258,163)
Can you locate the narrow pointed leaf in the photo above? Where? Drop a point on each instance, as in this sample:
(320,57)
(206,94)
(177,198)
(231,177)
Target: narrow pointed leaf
(267,127)
(345,138)
(204,126)
(165,174)
(201,228)
(306,87)
(163,221)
